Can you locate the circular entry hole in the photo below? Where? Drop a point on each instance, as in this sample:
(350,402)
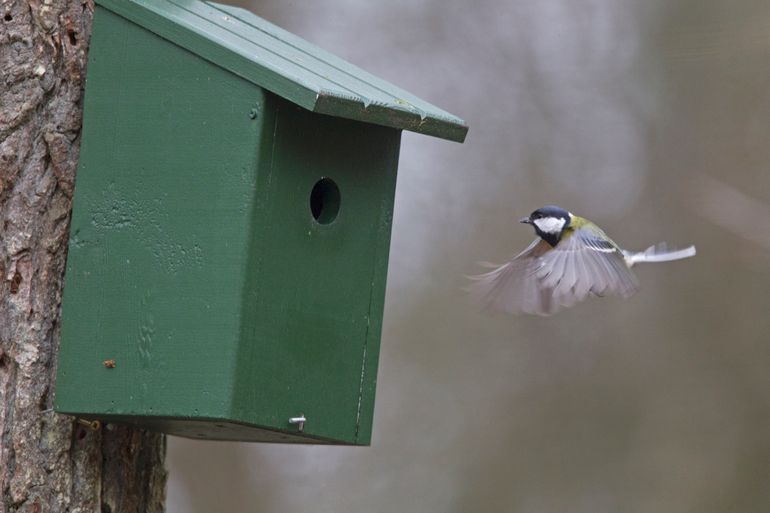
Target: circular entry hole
(325,201)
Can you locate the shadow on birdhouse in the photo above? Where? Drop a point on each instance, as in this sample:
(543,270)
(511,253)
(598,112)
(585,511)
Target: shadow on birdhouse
(229,240)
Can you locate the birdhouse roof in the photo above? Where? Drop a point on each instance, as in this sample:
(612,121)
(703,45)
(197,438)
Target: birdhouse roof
(286,65)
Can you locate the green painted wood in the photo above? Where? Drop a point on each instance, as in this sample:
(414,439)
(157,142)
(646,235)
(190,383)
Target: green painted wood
(286,65)
(195,261)
(212,429)
(316,291)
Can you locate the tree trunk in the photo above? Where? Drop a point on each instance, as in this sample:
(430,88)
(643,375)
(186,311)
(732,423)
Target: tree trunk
(49,462)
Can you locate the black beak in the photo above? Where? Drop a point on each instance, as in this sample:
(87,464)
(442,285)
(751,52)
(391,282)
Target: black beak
(525,220)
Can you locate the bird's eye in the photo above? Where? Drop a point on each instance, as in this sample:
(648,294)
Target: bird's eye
(536,216)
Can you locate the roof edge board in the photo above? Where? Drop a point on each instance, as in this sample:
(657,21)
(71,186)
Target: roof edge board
(385,115)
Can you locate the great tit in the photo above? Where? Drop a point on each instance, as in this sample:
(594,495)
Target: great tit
(570,259)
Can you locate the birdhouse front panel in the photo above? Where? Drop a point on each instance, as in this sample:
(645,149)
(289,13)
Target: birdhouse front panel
(316,280)
(231,226)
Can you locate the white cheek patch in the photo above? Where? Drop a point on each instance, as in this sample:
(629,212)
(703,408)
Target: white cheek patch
(550,224)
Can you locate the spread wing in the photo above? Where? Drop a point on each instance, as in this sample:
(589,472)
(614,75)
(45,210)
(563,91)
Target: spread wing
(543,280)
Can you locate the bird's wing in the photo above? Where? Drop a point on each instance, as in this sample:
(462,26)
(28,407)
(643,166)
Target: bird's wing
(505,287)
(543,280)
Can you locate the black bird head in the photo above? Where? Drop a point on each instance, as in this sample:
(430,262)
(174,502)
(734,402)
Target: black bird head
(549,223)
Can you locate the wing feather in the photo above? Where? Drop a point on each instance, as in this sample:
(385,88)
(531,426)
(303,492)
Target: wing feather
(543,280)
(583,282)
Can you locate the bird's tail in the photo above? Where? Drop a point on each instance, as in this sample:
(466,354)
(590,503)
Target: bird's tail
(657,253)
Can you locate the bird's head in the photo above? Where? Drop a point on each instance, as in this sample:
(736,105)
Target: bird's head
(549,222)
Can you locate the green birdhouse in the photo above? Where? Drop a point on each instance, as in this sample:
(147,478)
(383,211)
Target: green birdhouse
(229,239)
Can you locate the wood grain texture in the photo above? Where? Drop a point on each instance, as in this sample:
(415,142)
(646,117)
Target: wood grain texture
(287,65)
(49,462)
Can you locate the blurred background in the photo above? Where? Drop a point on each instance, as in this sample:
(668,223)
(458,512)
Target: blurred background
(651,118)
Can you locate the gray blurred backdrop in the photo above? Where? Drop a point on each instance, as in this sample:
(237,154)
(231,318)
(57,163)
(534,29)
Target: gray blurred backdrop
(651,117)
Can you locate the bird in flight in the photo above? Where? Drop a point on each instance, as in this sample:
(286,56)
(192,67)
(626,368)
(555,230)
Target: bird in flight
(570,259)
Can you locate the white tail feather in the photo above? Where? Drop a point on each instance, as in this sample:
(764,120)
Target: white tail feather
(657,253)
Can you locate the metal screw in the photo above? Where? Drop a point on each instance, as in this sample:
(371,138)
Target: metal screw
(93,425)
(299,421)
(253,113)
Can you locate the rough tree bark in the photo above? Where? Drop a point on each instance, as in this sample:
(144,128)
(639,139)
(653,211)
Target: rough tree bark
(49,462)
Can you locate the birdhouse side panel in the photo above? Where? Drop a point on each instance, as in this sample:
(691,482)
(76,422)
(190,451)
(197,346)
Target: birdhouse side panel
(160,231)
